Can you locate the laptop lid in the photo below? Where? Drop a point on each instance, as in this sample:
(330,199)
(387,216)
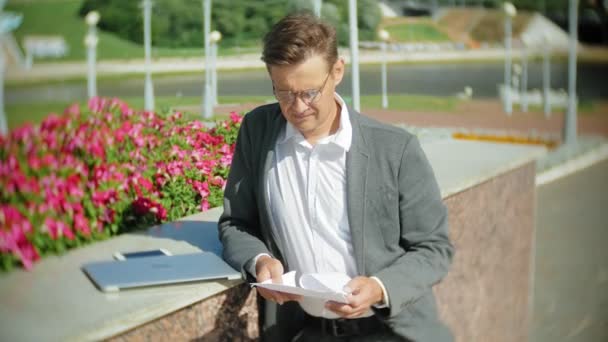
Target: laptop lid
(112,276)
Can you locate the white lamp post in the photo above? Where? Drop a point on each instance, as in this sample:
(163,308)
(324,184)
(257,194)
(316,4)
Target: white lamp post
(384,37)
(3,123)
(8,22)
(546,76)
(515,80)
(510,12)
(316,5)
(148,88)
(354,51)
(570,119)
(214,37)
(207,89)
(524,74)
(90,41)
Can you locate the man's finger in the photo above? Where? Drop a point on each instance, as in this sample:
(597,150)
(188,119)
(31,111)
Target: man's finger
(263,275)
(276,272)
(339,308)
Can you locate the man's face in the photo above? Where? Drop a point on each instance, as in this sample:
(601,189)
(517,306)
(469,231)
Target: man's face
(295,87)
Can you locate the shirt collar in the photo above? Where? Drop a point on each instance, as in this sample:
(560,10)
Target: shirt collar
(343,136)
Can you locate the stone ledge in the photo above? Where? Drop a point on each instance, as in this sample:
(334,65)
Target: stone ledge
(63,304)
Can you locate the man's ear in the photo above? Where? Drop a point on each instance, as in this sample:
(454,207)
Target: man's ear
(338,71)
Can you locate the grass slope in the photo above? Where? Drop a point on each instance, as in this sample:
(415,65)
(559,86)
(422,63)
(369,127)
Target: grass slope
(60,17)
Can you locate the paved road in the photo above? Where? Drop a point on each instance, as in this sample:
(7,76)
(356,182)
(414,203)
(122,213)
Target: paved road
(571,285)
(443,79)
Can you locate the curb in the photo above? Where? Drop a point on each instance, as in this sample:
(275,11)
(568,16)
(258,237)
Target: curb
(587,159)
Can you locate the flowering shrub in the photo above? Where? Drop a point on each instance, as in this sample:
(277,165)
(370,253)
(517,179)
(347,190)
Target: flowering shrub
(81,177)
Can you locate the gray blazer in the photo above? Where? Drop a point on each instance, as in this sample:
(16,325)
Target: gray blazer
(397,219)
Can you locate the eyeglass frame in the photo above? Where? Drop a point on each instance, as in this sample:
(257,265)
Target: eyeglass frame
(298,94)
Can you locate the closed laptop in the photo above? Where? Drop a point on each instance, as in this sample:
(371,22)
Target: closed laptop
(112,276)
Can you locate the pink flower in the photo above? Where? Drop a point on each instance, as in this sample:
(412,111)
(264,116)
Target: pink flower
(96,104)
(201,187)
(175,116)
(14,240)
(28,254)
(102,198)
(235,118)
(24,133)
(51,122)
(217,181)
(107,216)
(206,166)
(143,206)
(56,229)
(81,224)
(226,160)
(107,157)
(34,162)
(146,184)
(73,110)
(204,205)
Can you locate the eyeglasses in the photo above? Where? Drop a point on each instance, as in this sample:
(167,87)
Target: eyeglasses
(309,96)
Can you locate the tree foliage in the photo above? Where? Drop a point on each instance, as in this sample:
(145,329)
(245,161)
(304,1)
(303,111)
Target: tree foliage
(179,23)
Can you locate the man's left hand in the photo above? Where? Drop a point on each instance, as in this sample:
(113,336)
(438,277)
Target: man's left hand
(364,292)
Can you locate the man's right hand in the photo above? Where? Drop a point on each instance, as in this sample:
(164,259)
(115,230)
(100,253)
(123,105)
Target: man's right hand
(269,268)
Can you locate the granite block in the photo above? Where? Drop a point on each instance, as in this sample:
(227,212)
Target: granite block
(486,295)
(228,316)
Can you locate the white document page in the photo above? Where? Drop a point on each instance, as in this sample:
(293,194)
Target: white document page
(323,286)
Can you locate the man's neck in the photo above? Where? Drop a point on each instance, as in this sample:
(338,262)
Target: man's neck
(314,137)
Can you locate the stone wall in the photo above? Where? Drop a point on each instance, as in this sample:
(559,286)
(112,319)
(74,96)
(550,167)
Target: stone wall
(486,295)
(228,316)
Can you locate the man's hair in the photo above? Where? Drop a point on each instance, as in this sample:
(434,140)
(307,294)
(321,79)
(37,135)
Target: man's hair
(297,37)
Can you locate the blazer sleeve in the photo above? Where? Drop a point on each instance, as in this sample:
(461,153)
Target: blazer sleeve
(423,221)
(239,224)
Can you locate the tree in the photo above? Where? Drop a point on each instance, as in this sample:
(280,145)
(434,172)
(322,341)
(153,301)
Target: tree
(178,23)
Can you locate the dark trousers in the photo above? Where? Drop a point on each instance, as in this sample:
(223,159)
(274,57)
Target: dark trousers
(369,329)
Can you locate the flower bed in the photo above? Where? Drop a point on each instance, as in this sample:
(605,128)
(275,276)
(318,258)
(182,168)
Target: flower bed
(85,176)
(505,138)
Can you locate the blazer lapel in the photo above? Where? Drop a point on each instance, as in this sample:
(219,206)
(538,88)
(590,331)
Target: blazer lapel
(268,145)
(356,178)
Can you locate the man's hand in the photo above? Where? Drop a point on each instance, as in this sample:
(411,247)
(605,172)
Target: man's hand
(270,268)
(364,292)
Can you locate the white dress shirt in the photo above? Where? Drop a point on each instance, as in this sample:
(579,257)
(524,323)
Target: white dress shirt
(306,188)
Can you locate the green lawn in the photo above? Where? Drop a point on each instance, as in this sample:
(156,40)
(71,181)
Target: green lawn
(415,32)
(60,17)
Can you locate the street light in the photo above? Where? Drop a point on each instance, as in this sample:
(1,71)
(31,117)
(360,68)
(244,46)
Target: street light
(207,96)
(90,41)
(384,37)
(546,75)
(8,22)
(524,74)
(510,12)
(515,80)
(354,51)
(214,38)
(570,119)
(316,5)
(148,88)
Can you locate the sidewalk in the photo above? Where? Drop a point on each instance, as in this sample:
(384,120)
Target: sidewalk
(41,71)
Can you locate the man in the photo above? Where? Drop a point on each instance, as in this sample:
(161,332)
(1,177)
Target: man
(317,187)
